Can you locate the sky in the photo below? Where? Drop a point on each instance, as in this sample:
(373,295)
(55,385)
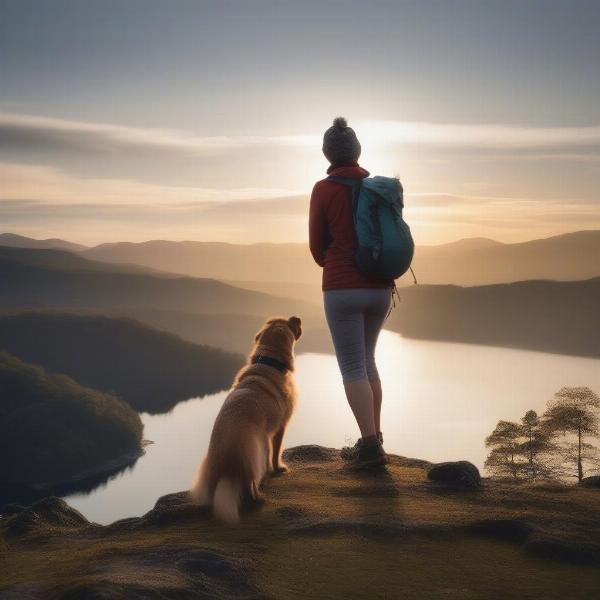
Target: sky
(139,119)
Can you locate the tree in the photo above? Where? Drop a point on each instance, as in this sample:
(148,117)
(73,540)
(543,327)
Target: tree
(573,412)
(505,444)
(536,447)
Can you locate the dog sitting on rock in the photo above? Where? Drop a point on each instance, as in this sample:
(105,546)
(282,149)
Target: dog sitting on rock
(246,440)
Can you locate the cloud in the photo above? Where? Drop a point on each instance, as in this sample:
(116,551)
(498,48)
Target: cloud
(433,218)
(484,135)
(49,184)
(274,220)
(40,133)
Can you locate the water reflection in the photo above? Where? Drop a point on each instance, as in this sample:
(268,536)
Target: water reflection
(24,494)
(440,402)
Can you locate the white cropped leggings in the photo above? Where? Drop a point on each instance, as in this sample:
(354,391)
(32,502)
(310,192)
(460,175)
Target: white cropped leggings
(355,317)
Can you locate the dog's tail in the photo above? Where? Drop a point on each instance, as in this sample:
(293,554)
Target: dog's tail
(200,492)
(232,488)
(227,500)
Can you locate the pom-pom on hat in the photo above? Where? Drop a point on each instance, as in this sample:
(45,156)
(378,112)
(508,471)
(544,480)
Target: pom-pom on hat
(340,144)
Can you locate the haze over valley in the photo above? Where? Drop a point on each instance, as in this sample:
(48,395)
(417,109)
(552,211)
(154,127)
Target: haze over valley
(549,304)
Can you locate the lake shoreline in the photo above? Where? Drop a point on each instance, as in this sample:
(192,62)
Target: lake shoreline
(31,491)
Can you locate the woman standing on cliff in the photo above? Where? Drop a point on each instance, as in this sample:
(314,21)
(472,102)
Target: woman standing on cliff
(355,306)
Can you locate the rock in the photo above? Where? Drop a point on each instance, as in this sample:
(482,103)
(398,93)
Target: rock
(172,574)
(46,514)
(127,524)
(461,474)
(172,500)
(11,509)
(592,482)
(175,508)
(310,453)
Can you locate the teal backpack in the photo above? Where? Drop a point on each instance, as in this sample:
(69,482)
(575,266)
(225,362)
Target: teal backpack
(385,245)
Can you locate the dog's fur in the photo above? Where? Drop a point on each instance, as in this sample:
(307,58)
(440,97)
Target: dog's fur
(245,444)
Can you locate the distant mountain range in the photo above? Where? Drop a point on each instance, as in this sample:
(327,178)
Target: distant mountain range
(551,316)
(63,260)
(259,262)
(203,311)
(58,279)
(476,261)
(20,241)
(562,317)
(472,261)
(568,257)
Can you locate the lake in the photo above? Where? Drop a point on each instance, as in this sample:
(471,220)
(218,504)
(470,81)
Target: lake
(440,402)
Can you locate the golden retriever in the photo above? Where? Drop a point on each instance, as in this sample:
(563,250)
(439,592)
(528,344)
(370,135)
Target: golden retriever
(245,444)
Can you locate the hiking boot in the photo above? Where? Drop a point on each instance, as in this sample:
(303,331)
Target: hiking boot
(369,455)
(350,452)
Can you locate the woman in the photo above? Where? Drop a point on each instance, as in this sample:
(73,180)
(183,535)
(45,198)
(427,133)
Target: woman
(355,306)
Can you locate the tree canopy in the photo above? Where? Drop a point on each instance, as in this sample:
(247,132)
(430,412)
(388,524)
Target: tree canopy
(52,428)
(553,445)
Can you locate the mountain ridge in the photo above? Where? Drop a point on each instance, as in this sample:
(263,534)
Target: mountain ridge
(470,261)
(20,241)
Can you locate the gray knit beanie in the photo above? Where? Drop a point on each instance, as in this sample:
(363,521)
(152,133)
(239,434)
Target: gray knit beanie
(340,144)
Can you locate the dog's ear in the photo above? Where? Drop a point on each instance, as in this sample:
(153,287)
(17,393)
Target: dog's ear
(295,325)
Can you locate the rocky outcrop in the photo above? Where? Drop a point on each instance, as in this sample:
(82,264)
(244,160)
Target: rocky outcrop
(50,515)
(315,513)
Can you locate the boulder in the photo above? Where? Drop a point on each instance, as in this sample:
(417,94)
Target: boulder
(175,508)
(461,474)
(592,482)
(46,514)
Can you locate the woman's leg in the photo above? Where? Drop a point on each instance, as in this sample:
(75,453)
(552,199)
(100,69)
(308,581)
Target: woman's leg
(377,400)
(374,319)
(345,316)
(360,399)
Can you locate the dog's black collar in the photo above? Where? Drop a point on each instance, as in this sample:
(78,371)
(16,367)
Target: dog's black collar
(272,362)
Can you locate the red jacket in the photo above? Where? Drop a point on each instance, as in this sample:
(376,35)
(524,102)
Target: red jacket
(331,232)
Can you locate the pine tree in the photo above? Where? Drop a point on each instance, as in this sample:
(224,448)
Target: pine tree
(504,458)
(537,446)
(573,412)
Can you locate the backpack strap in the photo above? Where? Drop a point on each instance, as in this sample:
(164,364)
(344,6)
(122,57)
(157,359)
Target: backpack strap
(355,185)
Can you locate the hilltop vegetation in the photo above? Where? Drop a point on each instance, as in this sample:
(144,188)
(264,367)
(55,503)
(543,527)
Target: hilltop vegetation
(52,428)
(151,370)
(559,443)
